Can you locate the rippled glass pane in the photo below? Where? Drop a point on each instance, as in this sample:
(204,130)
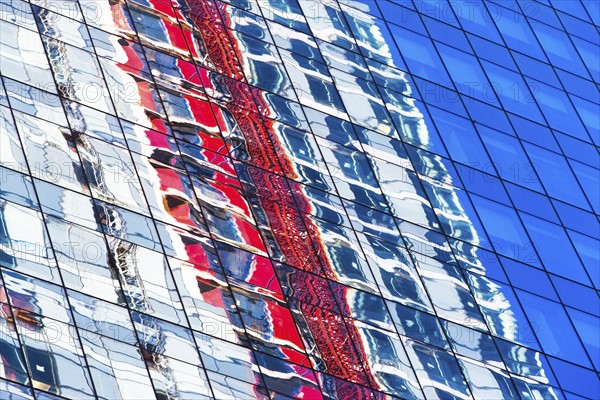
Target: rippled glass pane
(298,199)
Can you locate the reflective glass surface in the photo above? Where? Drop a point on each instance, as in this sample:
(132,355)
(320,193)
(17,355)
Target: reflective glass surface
(272,199)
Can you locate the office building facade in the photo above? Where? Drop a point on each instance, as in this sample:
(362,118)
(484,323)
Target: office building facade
(341,199)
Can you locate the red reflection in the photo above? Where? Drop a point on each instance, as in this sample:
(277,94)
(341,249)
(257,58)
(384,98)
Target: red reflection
(338,344)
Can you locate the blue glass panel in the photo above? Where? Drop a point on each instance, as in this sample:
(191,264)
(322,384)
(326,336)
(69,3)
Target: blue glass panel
(593,10)
(516,33)
(576,379)
(480,239)
(573,9)
(589,179)
(531,202)
(505,230)
(483,184)
(493,268)
(587,326)
(537,69)
(525,361)
(577,219)
(467,75)
(517,327)
(438,10)
(577,296)
(460,138)
(402,16)
(488,115)
(534,133)
(588,112)
(559,49)
(553,328)
(418,325)
(486,50)
(421,57)
(510,159)
(537,13)
(578,150)
(447,34)
(557,109)
(439,96)
(577,26)
(529,278)
(513,92)
(474,17)
(554,248)
(556,175)
(578,86)
(588,250)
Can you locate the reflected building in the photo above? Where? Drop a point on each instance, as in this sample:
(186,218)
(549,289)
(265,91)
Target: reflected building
(290,199)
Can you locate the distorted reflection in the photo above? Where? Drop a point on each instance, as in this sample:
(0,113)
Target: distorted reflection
(245,199)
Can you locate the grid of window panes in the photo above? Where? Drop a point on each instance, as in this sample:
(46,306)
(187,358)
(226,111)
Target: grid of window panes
(309,199)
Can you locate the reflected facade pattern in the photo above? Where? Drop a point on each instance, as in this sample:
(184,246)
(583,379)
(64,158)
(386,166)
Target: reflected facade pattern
(341,199)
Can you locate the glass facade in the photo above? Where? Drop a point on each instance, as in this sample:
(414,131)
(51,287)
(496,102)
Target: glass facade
(339,199)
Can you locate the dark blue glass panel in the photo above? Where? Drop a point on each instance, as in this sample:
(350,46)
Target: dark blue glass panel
(587,248)
(536,69)
(467,75)
(577,296)
(559,49)
(401,16)
(588,52)
(490,51)
(474,17)
(505,230)
(588,112)
(554,248)
(493,268)
(421,57)
(460,139)
(483,184)
(553,328)
(589,178)
(587,327)
(486,114)
(557,176)
(578,86)
(510,159)
(573,8)
(576,379)
(529,278)
(578,150)
(439,96)
(515,32)
(534,133)
(531,202)
(446,34)
(577,219)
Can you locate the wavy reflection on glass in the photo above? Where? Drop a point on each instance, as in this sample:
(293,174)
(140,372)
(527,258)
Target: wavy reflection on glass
(472,301)
(454,293)
(225,150)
